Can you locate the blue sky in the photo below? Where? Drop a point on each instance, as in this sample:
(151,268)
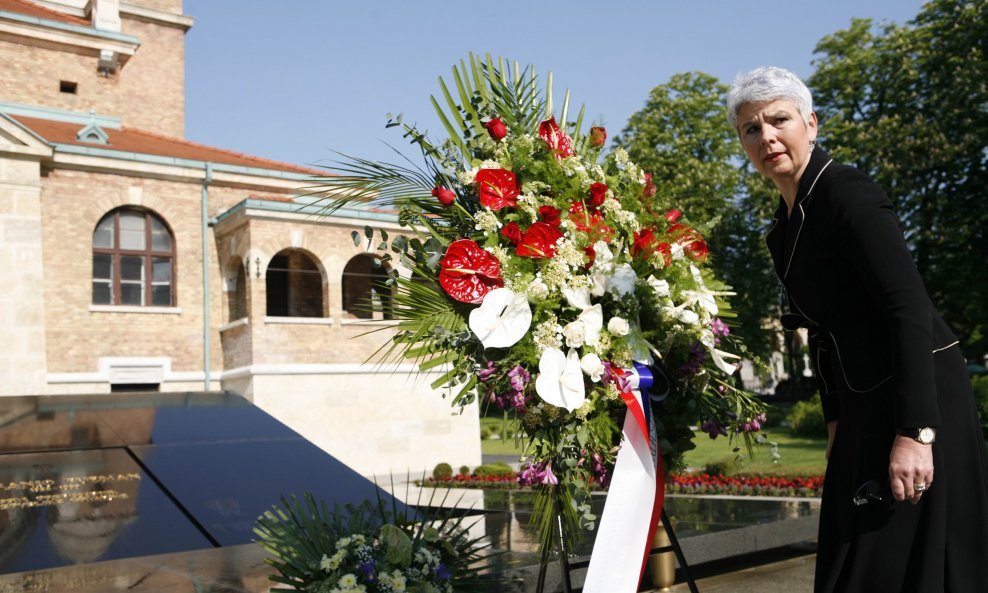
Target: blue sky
(298,79)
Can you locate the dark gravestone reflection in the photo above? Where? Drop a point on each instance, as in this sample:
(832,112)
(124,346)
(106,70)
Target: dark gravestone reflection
(85,479)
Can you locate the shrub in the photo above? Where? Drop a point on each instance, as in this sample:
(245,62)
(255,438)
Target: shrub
(806,418)
(443,471)
(980,385)
(464,470)
(493,469)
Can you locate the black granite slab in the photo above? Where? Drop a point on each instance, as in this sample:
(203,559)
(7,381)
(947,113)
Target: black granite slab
(72,507)
(86,479)
(226,486)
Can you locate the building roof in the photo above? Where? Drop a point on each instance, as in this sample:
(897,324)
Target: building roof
(30,9)
(133,140)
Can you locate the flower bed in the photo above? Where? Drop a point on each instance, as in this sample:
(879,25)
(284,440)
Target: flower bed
(691,483)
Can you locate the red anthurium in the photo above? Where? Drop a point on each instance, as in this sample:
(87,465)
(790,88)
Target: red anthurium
(690,239)
(550,215)
(598,136)
(590,221)
(445,196)
(496,128)
(467,272)
(666,250)
(673,215)
(498,188)
(539,241)
(559,143)
(512,233)
(598,193)
(649,190)
(644,244)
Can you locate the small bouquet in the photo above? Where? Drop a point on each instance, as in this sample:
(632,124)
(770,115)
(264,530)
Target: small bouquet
(367,549)
(538,273)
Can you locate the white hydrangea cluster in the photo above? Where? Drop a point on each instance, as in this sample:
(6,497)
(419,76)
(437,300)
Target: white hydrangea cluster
(548,334)
(529,205)
(535,187)
(522,144)
(631,171)
(569,254)
(555,274)
(625,218)
(573,167)
(487,221)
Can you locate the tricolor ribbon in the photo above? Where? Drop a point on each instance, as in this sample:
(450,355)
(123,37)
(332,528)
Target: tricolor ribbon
(634,498)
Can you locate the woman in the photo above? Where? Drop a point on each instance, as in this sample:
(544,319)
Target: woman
(900,512)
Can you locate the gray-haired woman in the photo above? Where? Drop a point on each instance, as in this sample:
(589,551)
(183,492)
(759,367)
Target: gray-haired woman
(897,399)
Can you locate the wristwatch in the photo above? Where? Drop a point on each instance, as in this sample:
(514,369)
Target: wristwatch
(925,435)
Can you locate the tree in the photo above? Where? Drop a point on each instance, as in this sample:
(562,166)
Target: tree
(909,106)
(682,137)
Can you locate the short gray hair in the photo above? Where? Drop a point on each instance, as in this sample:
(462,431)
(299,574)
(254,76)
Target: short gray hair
(768,83)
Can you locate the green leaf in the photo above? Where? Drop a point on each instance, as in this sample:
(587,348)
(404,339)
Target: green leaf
(397,544)
(356,238)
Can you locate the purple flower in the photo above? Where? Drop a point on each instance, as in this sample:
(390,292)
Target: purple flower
(519,377)
(519,401)
(719,328)
(368,569)
(713,429)
(698,355)
(548,477)
(485,373)
(443,573)
(616,376)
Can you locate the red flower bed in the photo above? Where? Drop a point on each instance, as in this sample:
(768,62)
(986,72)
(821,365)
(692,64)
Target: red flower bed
(693,483)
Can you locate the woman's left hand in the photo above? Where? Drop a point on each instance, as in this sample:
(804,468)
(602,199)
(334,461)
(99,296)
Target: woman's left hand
(910,463)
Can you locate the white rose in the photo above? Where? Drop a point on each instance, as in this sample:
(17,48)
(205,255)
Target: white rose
(538,290)
(592,366)
(575,333)
(618,326)
(661,287)
(623,280)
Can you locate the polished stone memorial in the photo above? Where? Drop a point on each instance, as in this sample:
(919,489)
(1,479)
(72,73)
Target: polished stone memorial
(142,480)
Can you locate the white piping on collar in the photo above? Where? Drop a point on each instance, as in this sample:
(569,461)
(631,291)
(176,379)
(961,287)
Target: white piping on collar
(802,218)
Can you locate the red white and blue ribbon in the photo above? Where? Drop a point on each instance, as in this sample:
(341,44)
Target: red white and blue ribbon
(634,498)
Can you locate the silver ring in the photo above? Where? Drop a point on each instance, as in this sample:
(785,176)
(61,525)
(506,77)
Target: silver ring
(920,487)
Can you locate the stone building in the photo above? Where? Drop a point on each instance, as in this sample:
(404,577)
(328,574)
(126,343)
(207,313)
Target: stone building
(131,258)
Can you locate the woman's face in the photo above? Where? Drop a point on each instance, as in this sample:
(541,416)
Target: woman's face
(776,138)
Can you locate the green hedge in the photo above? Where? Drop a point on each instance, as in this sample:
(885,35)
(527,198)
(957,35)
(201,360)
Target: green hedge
(806,418)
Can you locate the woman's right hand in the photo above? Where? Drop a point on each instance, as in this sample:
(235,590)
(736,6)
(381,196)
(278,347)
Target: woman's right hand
(831,431)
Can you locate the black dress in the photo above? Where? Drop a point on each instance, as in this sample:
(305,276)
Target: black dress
(885,360)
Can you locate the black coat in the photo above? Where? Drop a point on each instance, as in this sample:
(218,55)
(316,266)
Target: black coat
(850,279)
(885,360)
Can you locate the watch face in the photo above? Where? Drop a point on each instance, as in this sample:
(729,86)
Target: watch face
(926,435)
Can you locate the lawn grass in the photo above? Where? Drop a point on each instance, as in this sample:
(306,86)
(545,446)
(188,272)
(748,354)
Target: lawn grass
(800,455)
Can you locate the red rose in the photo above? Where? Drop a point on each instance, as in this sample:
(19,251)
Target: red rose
(498,188)
(690,239)
(539,241)
(672,216)
(649,190)
(598,136)
(512,233)
(550,215)
(445,196)
(496,128)
(598,193)
(467,272)
(644,243)
(559,143)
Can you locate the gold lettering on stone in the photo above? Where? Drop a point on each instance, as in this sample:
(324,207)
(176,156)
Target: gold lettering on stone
(40,493)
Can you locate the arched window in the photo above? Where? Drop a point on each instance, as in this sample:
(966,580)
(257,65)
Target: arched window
(366,294)
(294,286)
(133,260)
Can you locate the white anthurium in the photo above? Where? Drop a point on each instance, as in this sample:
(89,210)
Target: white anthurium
(579,298)
(592,366)
(560,380)
(602,257)
(719,357)
(593,321)
(502,319)
(623,280)
(661,287)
